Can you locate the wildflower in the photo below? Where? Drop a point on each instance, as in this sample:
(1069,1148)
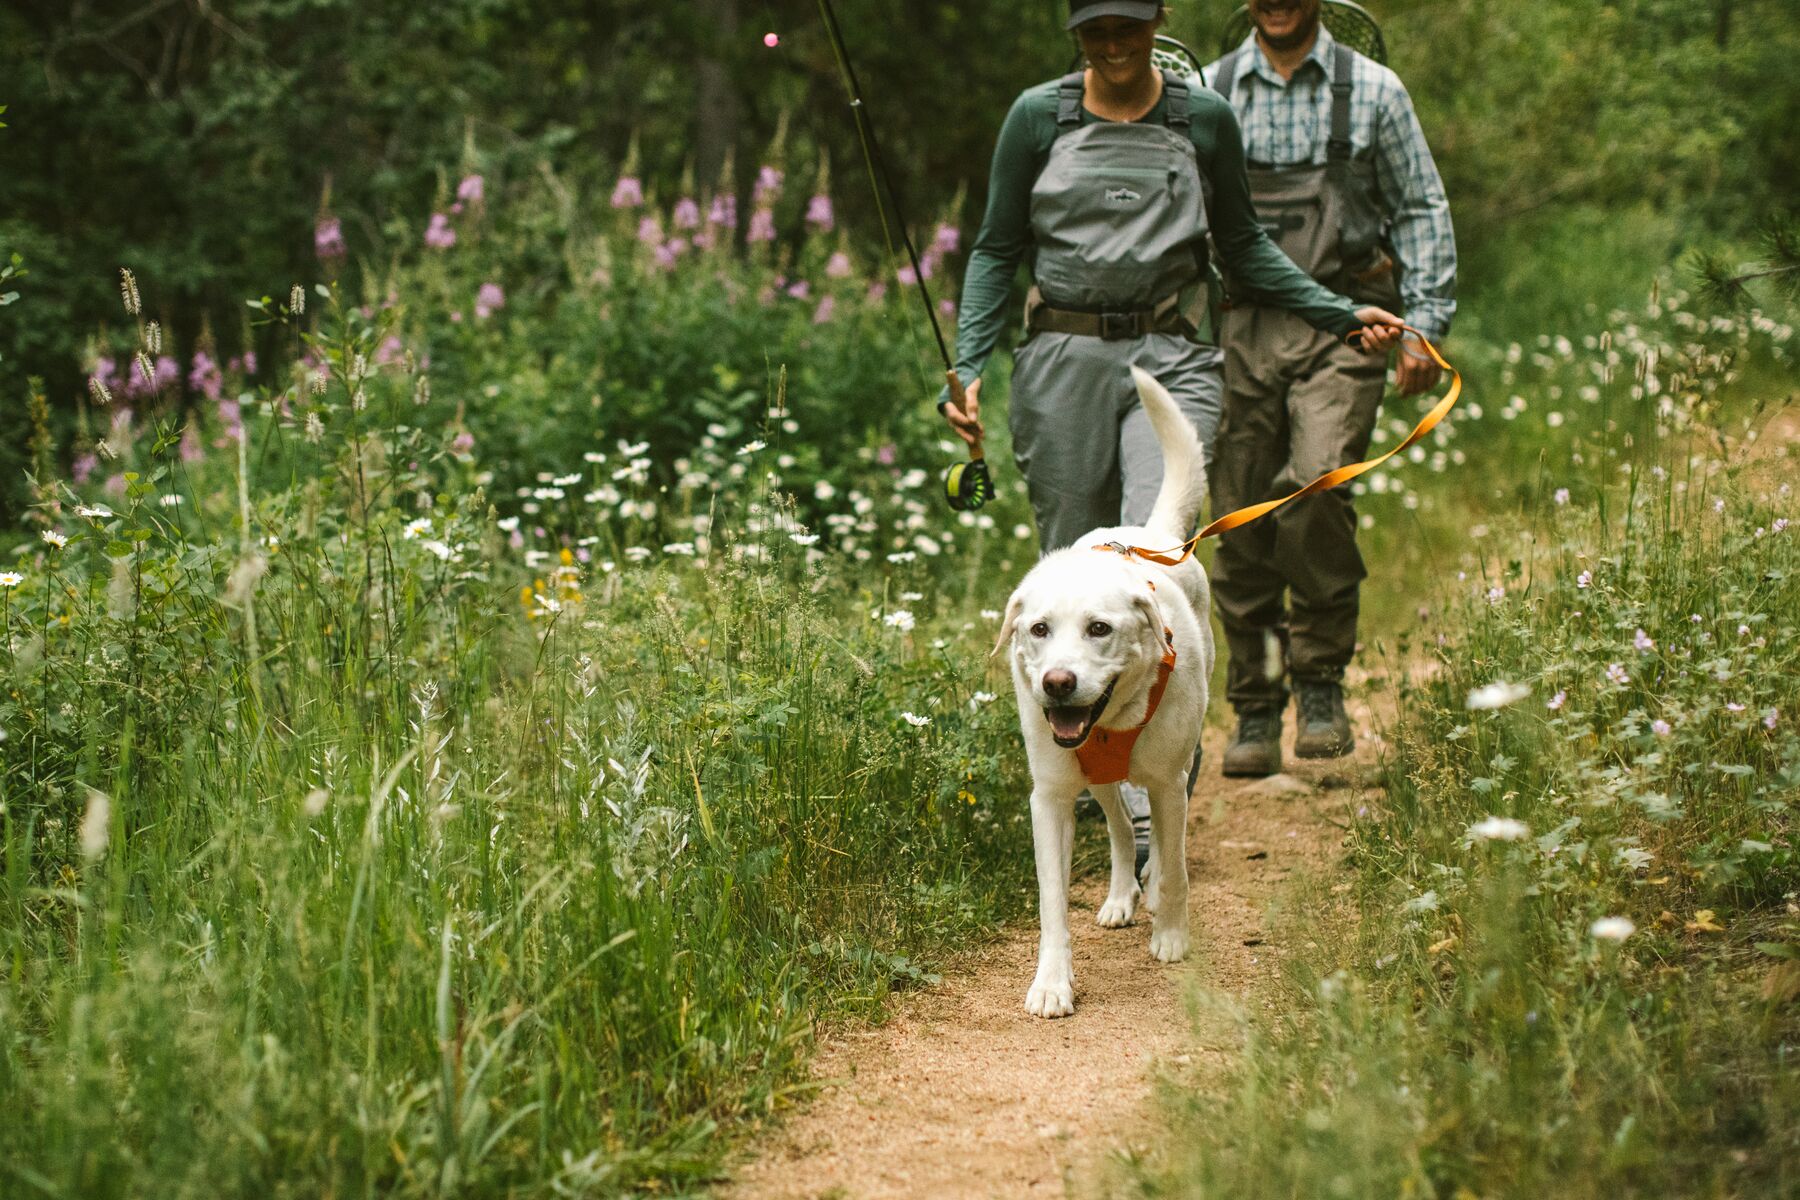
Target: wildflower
(915,720)
(1733,706)
(1499,829)
(95,512)
(800,289)
(315,428)
(818,212)
(1661,728)
(1612,929)
(1022,531)
(899,619)
(1616,673)
(768,184)
(825,311)
(682,548)
(315,801)
(837,266)
(628,192)
(328,238)
(1496,594)
(1780,524)
(1557,701)
(803,539)
(1643,642)
(1497,695)
(1719,505)
(1585,580)
(53,538)
(1743,631)
(762,226)
(1428,902)
(752,447)
(96,825)
(927,545)
(902,556)
(947,306)
(1633,858)
(10,579)
(1561,496)
(649,231)
(128,289)
(415,528)
(462,443)
(438,234)
(472,189)
(980,698)
(946,239)
(877,292)
(489,299)
(686,214)
(438,548)
(990,614)
(1771,718)
(723,212)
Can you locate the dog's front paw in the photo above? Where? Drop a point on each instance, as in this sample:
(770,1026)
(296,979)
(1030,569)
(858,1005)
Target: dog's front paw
(1050,999)
(1116,912)
(1169,945)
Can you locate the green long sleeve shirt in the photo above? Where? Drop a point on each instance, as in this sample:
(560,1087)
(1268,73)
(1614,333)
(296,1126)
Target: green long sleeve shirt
(1259,270)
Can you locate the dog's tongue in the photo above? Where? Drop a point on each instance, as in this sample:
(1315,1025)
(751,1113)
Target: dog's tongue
(1068,722)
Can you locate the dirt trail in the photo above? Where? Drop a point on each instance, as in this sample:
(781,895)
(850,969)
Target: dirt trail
(962,1094)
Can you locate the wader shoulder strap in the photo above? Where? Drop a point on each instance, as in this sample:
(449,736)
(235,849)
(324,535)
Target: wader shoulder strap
(1337,150)
(1175,92)
(1068,102)
(1225,77)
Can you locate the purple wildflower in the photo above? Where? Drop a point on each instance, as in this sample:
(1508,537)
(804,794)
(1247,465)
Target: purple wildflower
(768,184)
(438,234)
(1644,642)
(762,226)
(328,238)
(391,351)
(723,211)
(1661,728)
(204,376)
(908,276)
(628,192)
(473,189)
(838,266)
(686,214)
(191,449)
(800,289)
(947,306)
(877,292)
(488,300)
(886,454)
(824,312)
(83,467)
(649,231)
(818,212)
(462,443)
(947,239)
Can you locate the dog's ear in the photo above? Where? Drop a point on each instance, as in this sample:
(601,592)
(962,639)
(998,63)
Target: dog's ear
(1014,604)
(1145,603)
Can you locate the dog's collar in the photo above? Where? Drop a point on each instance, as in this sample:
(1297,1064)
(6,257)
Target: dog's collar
(1106,755)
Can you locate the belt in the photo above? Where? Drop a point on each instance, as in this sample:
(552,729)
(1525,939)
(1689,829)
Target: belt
(1107,324)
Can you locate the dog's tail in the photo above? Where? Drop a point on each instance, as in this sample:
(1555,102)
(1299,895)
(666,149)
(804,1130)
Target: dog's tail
(1184,462)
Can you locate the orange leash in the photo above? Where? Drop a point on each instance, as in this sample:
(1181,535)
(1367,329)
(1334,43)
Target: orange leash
(1325,482)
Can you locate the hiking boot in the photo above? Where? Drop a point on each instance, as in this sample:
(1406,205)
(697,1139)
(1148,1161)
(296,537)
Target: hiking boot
(1324,728)
(1255,750)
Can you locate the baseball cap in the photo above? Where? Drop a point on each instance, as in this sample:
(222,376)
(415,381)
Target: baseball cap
(1086,10)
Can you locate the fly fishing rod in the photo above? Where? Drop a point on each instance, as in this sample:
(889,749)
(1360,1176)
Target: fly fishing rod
(967,485)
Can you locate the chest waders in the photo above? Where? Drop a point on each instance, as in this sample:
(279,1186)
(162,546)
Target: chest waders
(1118,224)
(1298,403)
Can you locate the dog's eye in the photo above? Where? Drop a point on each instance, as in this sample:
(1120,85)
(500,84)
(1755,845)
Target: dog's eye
(1098,629)
(1040,629)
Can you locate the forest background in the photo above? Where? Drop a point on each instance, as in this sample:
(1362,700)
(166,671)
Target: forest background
(1583,144)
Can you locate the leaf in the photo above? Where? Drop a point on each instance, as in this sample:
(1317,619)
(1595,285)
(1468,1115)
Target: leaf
(1704,922)
(1785,950)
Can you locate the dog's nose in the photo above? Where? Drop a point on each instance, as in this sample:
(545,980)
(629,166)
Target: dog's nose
(1059,684)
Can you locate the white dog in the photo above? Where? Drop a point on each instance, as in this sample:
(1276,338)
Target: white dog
(1092,629)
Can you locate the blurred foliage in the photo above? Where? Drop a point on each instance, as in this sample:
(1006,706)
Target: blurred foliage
(198,140)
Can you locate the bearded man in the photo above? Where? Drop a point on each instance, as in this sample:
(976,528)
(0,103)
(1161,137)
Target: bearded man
(1343,181)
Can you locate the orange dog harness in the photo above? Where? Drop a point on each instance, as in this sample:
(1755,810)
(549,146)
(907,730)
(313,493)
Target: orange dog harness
(1106,756)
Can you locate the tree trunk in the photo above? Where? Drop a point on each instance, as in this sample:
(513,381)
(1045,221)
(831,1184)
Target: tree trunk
(718,115)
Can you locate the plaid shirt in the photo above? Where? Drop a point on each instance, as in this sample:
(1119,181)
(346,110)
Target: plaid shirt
(1287,122)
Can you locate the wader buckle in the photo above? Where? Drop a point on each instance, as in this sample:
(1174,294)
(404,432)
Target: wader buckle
(1118,326)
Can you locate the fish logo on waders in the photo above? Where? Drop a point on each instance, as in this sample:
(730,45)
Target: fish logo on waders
(1122,195)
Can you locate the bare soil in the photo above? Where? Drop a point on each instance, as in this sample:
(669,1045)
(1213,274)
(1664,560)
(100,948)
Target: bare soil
(961,1094)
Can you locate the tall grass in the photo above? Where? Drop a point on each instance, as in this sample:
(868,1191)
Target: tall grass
(1569,962)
